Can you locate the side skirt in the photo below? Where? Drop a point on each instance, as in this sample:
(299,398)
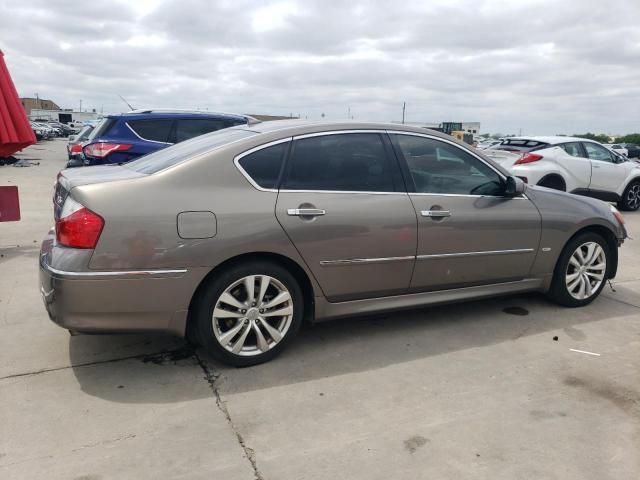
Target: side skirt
(326,310)
(599,194)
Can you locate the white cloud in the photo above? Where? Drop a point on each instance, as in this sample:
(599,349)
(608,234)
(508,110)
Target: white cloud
(540,65)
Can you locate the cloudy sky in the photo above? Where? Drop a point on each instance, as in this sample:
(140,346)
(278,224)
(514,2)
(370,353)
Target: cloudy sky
(539,66)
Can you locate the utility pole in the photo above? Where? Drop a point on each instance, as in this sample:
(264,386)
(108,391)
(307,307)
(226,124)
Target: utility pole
(37,100)
(80,105)
(404,105)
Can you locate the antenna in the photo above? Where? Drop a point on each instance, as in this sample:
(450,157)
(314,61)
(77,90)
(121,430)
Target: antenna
(128,104)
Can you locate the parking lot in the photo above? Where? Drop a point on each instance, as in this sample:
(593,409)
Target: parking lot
(486,389)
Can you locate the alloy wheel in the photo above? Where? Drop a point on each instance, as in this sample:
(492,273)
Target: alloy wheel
(252,315)
(633,196)
(586,270)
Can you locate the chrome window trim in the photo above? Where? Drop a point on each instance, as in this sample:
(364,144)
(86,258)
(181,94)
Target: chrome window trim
(365,261)
(343,191)
(146,139)
(475,254)
(237,158)
(522,197)
(338,132)
(122,273)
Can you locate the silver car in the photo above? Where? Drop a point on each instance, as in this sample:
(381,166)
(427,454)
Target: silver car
(236,237)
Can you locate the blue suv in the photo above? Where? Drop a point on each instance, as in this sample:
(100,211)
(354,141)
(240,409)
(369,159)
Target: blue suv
(125,137)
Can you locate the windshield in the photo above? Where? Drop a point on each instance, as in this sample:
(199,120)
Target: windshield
(167,157)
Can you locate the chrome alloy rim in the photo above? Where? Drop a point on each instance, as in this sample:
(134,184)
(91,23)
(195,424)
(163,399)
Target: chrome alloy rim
(633,196)
(252,315)
(586,270)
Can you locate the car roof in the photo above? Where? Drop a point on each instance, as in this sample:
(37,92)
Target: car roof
(150,113)
(551,139)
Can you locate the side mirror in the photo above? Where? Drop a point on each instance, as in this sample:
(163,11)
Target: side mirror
(514,187)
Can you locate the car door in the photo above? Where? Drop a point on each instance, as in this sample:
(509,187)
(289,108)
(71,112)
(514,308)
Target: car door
(343,204)
(468,232)
(608,171)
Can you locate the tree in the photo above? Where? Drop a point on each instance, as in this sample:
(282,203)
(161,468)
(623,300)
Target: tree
(601,137)
(631,138)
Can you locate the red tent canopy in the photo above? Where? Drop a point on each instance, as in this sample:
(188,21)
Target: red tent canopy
(15,130)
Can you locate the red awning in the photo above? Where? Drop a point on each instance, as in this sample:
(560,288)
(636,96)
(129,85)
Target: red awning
(15,129)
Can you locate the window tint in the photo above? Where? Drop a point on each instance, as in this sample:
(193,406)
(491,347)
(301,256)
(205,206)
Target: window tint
(103,127)
(167,157)
(438,167)
(263,166)
(597,152)
(572,149)
(193,127)
(344,162)
(156,130)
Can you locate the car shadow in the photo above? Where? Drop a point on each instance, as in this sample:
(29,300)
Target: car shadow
(346,346)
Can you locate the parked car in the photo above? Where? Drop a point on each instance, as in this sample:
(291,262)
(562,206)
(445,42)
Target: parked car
(574,165)
(633,150)
(122,138)
(487,144)
(234,237)
(74,146)
(616,147)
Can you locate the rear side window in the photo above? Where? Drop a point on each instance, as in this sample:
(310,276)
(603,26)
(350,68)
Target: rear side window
(572,149)
(103,128)
(520,145)
(263,166)
(194,127)
(345,162)
(156,130)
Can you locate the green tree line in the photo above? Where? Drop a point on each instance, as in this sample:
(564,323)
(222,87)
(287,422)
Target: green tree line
(602,138)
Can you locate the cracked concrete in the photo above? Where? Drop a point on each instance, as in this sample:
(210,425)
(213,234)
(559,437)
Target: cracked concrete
(461,391)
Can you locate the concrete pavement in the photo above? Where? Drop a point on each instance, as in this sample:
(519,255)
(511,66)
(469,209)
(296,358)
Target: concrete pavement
(476,390)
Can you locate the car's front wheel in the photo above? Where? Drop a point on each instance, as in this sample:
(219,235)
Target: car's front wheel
(249,313)
(581,271)
(631,197)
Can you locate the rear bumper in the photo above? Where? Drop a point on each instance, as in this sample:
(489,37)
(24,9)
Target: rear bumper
(113,301)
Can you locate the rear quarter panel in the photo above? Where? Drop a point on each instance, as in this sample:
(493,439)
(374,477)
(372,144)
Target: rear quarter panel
(141,217)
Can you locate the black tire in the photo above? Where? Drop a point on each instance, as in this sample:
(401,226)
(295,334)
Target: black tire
(554,182)
(630,200)
(559,291)
(210,295)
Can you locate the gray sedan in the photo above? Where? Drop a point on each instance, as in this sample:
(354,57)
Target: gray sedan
(236,237)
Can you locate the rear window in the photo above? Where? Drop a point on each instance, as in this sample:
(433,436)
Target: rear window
(167,157)
(263,166)
(156,130)
(102,128)
(520,145)
(187,128)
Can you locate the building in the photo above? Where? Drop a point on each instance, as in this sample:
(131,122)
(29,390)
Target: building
(447,127)
(268,118)
(31,103)
(63,116)
(471,127)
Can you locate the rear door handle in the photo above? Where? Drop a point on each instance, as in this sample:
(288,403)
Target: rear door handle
(306,212)
(436,213)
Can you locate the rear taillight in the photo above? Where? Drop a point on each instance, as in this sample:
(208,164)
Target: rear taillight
(76,148)
(77,226)
(102,149)
(528,158)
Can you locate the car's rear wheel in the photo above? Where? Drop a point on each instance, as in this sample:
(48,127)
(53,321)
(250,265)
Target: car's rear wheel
(631,197)
(249,313)
(581,272)
(553,181)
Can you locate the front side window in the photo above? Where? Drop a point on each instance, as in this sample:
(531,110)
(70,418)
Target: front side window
(439,167)
(156,130)
(572,149)
(355,162)
(263,166)
(189,128)
(597,152)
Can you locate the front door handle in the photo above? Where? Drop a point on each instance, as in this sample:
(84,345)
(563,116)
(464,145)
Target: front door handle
(436,213)
(306,212)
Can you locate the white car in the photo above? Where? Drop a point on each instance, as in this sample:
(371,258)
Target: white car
(487,144)
(574,165)
(618,149)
